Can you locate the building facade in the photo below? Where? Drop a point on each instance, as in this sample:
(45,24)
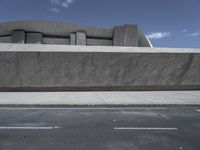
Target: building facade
(47,32)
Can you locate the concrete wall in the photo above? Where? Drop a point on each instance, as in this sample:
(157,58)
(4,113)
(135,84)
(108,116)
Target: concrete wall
(18,36)
(58,41)
(126,35)
(51,67)
(5,39)
(96,42)
(33,38)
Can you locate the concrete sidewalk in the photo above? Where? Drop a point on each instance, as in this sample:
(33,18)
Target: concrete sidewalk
(101,98)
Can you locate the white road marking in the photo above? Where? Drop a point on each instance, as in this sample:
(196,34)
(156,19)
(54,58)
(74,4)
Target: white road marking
(84,108)
(143,128)
(198,110)
(28,128)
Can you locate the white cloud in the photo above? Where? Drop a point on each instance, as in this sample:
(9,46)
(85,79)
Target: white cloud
(185,30)
(54,10)
(64,4)
(57,5)
(194,34)
(158,35)
(61,3)
(67,3)
(55,2)
(70,1)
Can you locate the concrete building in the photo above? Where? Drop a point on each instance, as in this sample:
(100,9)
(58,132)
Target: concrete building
(75,87)
(55,58)
(46,32)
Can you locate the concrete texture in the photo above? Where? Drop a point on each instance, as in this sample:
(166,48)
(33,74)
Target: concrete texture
(5,39)
(80,38)
(118,36)
(32,67)
(96,42)
(57,41)
(18,36)
(125,35)
(95,129)
(33,38)
(101,98)
(131,35)
(96,68)
(72,39)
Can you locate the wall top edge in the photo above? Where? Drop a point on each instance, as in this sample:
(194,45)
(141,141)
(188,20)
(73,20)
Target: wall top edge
(8,47)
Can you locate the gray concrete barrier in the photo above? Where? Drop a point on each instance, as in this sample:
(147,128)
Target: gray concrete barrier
(35,67)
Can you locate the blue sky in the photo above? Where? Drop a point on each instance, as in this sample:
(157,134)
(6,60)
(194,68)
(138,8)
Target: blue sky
(168,23)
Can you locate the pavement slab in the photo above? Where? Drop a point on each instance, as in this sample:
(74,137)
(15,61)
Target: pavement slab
(101,98)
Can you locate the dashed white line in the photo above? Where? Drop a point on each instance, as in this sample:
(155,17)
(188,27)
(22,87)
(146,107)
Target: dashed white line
(143,128)
(28,128)
(198,110)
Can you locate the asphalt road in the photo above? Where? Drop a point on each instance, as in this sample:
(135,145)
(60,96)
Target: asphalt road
(135,128)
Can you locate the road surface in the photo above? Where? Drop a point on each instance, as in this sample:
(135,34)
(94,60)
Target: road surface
(100,128)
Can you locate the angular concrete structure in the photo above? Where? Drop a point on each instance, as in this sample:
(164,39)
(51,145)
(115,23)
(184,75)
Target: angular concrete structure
(18,36)
(57,41)
(126,35)
(96,42)
(80,38)
(72,39)
(46,32)
(34,38)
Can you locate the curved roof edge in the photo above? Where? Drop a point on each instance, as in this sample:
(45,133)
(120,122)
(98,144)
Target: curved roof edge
(144,40)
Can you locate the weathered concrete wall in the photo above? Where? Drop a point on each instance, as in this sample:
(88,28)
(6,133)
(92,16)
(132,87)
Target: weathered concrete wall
(126,35)
(33,38)
(18,37)
(5,39)
(96,42)
(58,41)
(51,67)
